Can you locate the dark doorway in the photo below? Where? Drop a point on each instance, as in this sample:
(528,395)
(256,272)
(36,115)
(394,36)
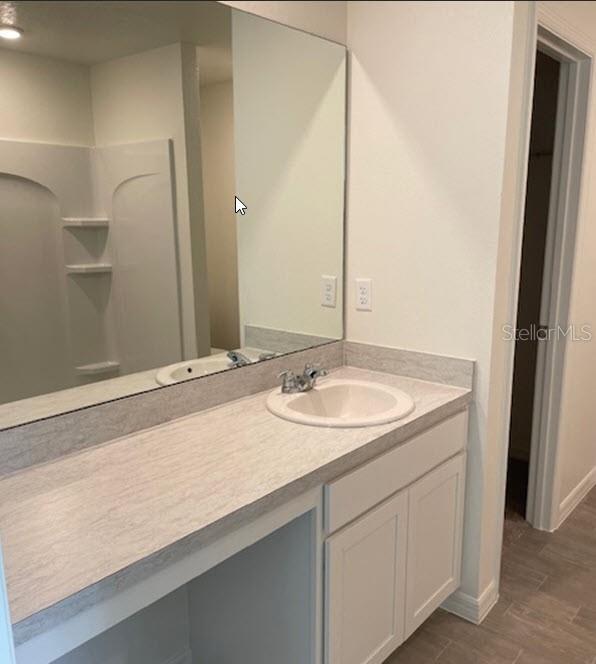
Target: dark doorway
(538,194)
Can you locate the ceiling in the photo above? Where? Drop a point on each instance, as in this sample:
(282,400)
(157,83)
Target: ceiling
(92,32)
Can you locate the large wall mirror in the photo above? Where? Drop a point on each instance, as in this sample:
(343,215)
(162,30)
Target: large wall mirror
(171,197)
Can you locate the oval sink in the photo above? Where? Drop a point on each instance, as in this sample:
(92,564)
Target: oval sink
(342,403)
(202,366)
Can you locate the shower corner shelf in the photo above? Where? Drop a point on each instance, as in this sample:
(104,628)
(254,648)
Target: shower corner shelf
(97,368)
(89,268)
(85,222)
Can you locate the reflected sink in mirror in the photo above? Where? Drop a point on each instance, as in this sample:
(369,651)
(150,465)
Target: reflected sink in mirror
(203,366)
(342,403)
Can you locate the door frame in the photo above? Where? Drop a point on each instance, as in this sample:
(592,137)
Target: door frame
(543,510)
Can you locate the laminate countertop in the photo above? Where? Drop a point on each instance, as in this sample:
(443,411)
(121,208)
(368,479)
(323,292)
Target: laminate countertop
(79,528)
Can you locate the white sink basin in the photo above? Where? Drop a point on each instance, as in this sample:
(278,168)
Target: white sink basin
(342,403)
(202,366)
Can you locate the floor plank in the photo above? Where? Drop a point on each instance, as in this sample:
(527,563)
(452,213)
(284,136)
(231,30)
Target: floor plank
(423,647)
(456,653)
(586,618)
(479,642)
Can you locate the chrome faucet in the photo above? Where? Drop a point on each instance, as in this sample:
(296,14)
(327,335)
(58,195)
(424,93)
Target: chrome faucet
(237,358)
(291,383)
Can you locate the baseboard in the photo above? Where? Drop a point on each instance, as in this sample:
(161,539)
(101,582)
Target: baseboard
(181,658)
(472,609)
(576,496)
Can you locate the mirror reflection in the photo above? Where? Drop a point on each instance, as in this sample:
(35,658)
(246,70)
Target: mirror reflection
(171,197)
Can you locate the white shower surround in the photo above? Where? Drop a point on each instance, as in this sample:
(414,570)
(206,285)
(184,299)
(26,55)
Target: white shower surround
(127,315)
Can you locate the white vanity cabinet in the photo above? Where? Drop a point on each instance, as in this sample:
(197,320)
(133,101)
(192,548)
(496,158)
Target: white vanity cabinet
(391,566)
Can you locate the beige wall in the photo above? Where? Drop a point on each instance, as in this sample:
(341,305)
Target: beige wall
(217,145)
(44,100)
(505,298)
(326,19)
(148,80)
(429,109)
(155,80)
(577,450)
(289,140)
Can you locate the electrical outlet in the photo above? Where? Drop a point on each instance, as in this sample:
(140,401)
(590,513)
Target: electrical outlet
(328,291)
(364,294)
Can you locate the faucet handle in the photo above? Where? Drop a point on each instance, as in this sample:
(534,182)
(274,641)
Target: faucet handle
(289,381)
(313,372)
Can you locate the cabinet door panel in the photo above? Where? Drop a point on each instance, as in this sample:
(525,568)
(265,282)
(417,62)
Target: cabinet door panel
(435,519)
(365,565)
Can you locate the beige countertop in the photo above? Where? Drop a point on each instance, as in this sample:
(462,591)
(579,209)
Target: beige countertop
(78,528)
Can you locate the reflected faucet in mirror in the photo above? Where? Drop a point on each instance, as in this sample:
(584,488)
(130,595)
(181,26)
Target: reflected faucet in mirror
(237,358)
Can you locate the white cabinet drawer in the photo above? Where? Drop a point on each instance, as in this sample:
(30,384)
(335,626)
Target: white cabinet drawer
(356,492)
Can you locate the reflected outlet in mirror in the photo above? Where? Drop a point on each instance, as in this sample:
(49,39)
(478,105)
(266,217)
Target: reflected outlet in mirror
(126,263)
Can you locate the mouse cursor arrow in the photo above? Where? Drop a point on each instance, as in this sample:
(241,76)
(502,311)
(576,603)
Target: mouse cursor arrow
(240,207)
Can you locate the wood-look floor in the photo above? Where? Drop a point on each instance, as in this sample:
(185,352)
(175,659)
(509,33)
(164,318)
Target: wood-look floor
(547,610)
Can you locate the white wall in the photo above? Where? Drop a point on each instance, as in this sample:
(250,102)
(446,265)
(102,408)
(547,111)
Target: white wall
(289,96)
(323,18)
(153,81)
(429,109)
(44,100)
(217,145)
(577,451)
(255,607)
(159,634)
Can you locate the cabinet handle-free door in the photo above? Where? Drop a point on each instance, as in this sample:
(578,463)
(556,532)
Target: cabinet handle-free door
(435,526)
(365,590)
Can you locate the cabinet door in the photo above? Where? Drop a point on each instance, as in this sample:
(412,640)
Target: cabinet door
(435,521)
(365,566)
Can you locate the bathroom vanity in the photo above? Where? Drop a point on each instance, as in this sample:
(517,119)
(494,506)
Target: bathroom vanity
(159,504)
(283,542)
